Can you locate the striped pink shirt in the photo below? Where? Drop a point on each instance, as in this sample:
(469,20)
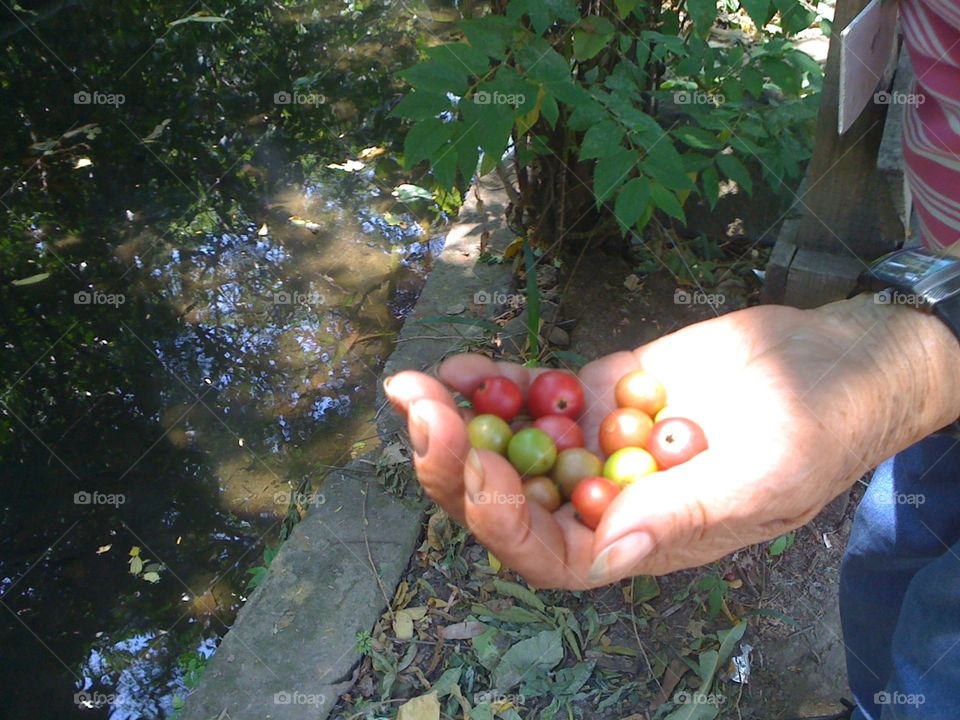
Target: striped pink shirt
(931,134)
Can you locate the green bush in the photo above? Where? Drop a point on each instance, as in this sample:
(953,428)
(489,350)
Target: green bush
(615,111)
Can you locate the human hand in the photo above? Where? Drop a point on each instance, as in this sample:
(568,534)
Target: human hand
(793,412)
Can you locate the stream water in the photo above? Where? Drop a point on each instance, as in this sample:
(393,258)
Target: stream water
(204,259)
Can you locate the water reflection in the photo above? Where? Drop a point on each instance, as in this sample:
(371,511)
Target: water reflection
(224,278)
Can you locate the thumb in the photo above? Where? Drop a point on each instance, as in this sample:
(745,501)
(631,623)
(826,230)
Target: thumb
(665,522)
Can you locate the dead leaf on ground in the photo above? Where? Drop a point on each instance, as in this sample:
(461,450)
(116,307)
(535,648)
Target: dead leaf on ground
(464,630)
(425,707)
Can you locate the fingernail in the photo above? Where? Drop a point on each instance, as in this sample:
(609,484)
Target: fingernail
(386,384)
(419,431)
(615,561)
(473,473)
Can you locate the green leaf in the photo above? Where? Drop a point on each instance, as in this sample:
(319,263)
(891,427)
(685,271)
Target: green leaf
(758,10)
(31,280)
(711,186)
(433,76)
(568,681)
(794,16)
(611,172)
(752,81)
(549,111)
(543,63)
(664,164)
(625,7)
(461,56)
(703,13)
(447,682)
(645,588)
(697,137)
(485,648)
(667,201)
(407,193)
(423,139)
(783,543)
(729,642)
(594,35)
(488,125)
(542,652)
(489,34)
(443,165)
(736,171)
(519,592)
(632,201)
(420,106)
(587,45)
(601,140)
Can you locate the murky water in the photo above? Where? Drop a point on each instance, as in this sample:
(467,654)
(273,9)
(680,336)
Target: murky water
(216,268)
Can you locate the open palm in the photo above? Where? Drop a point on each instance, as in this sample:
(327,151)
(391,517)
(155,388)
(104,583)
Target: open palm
(772,392)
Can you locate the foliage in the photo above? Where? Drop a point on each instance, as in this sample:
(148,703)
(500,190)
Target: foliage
(258,573)
(638,103)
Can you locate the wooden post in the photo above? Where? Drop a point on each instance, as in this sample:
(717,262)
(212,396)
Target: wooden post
(847,216)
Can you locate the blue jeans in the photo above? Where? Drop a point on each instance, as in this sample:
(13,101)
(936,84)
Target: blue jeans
(900,588)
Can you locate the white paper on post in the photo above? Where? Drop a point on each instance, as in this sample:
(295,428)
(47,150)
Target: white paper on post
(866,49)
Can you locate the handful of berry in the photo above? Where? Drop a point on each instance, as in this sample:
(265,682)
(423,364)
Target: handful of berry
(637,439)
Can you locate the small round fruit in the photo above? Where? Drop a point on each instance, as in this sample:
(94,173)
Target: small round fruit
(564,431)
(675,440)
(592,497)
(543,491)
(498,396)
(665,412)
(532,452)
(572,466)
(624,427)
(555,393)
(489,432)
(642,391)
(628,465)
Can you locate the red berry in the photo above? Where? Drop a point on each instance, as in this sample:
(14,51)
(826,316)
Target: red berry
(498,396)
(555,393)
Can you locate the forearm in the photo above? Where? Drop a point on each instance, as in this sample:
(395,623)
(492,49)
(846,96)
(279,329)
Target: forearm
(902,373)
